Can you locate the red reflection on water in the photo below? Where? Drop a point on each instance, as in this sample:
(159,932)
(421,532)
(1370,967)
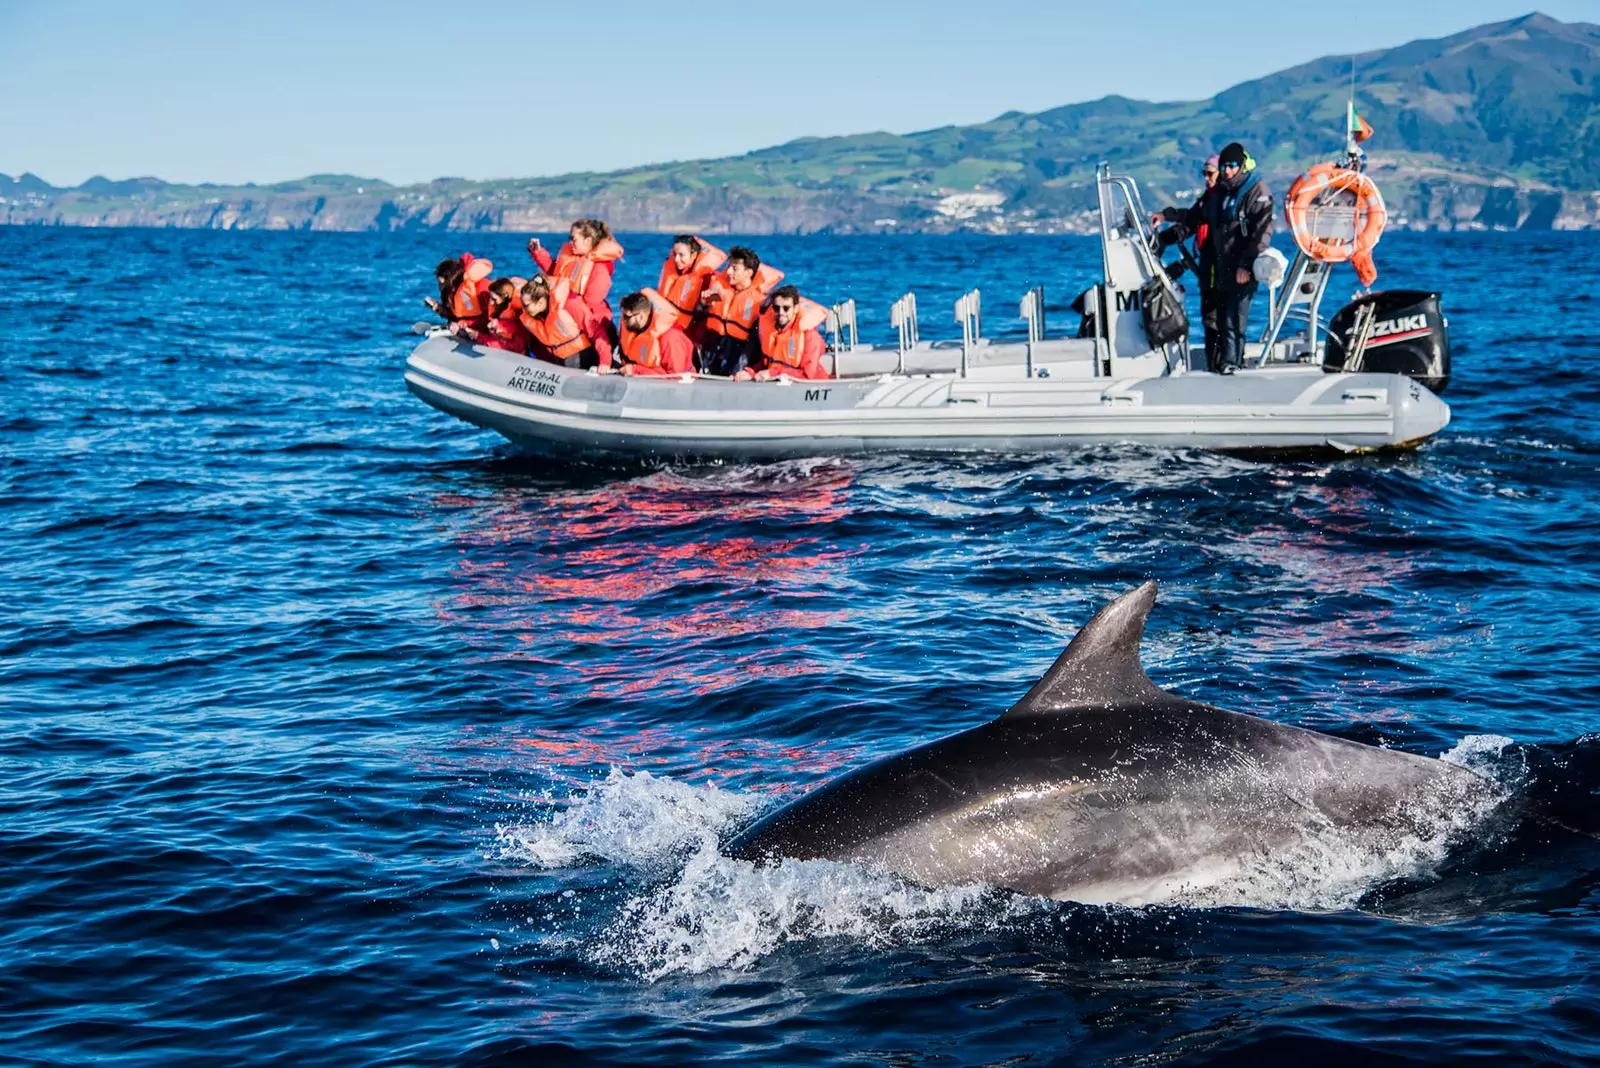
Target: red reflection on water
(1313,547)
(695,754)
(660,572)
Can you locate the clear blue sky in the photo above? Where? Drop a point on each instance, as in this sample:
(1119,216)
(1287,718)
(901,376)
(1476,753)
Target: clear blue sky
(232,92)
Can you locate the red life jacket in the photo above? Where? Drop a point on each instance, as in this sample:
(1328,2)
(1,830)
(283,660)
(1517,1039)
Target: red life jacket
(683,288)
(557,330)
(736,313)
(576,270)
(786,347)
(505,331)
(644,347)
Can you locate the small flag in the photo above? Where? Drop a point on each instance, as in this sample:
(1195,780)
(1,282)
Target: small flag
(1362,131)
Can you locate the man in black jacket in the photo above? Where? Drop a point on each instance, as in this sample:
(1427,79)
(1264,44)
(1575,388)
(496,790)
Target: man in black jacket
(1236,214)
(1239,220)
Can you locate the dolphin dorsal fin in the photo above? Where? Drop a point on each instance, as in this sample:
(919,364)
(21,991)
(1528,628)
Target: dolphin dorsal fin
(1100,668)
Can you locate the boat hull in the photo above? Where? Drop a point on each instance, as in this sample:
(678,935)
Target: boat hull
(554,410)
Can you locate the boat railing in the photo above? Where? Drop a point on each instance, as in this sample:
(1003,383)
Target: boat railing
(1031,308)
(1299,298)
(1133,216)
(969,311)
(903,317)
(842,326)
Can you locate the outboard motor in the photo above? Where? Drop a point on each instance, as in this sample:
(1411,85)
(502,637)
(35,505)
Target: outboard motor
(1400,332)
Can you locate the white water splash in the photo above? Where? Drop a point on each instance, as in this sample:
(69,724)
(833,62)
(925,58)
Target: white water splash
(717,912)
(639,820)
(1482,753)
(724,913)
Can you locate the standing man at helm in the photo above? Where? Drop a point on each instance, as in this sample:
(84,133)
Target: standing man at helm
(1191,221)
(1238,217)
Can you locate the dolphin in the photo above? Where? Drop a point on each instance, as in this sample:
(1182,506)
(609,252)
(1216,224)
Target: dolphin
(1100,787)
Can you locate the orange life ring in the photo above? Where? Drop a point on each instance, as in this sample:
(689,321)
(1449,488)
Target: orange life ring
(1313,193)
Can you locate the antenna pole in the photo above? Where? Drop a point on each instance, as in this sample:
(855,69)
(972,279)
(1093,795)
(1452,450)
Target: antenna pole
(1352,154)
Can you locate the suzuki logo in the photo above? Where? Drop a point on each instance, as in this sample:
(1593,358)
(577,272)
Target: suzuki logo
(1397,326)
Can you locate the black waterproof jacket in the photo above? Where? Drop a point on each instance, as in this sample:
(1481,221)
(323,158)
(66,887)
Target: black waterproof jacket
(1239,218)
(1188,221)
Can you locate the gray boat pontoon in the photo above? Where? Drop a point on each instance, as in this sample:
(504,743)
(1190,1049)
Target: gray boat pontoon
(1331,387)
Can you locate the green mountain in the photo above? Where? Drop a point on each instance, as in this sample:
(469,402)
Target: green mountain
(1497,126)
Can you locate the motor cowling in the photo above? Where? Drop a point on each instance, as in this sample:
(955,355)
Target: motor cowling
(1409,336)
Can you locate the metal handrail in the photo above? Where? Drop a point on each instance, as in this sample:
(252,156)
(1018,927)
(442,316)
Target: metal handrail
(1031,308)
(903,317)
(1134,201)
(1281,313)
(968,312)
(842,325)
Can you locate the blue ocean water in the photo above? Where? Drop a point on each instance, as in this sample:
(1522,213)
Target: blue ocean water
(334,731)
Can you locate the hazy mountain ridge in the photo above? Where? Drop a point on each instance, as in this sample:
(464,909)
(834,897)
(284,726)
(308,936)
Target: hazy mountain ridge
(1497,126)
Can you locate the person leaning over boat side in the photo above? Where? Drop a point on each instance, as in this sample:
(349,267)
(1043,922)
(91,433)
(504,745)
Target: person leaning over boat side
(585,262)
(684,277)
(733,299)
(652,341)
(463,283)
(598,331)
(1238,216)
(552,321)
(791,343)
(1191,221)
(502,324)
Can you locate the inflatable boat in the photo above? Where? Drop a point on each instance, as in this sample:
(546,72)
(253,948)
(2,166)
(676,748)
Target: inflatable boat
(1358,383)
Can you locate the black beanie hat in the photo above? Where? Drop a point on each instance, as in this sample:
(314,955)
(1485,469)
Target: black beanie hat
(1234,153)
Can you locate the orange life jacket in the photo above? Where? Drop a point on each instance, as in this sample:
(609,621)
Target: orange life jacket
(467,302)
(644,348)
(739,309)
(557,330)
(787,346)
(683,288)
(464,303)
(576,269)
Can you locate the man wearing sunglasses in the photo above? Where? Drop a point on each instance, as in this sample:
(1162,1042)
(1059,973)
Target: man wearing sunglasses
(1239,223)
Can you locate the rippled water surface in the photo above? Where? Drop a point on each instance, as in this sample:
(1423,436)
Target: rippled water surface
(336,732)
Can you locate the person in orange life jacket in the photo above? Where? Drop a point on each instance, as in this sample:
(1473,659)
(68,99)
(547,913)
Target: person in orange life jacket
(599,332)
(652,342)
(1191,221)
(556,334)
(585,262)
(463,284)
(791,343)
(733,300)
(502,324)
(684,276)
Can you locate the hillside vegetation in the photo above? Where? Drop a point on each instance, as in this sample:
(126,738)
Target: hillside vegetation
(1497,126)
